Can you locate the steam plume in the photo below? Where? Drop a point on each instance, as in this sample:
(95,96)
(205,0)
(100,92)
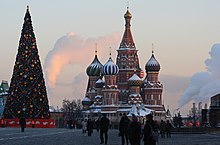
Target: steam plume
(204,85)
(74,49)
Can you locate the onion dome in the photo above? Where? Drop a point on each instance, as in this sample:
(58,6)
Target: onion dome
(135,99)
(152,64)
(127,14)
(86,102)
(135,80)
(98,100)
(110,68)
(94,69)
(100,83)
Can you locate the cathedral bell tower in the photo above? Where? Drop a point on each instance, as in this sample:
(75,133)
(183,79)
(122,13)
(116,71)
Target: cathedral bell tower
(152,87)
(127,59)
(110,90)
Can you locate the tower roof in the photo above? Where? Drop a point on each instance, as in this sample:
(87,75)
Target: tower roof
(86,101)
(127,39)
(135,80)
(127,14)
(100,83)
(110,68)
(94,69)
(152,64)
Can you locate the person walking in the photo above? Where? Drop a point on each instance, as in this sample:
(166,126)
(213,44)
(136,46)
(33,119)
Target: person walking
(2,123)
(134,131)
(97,123)
(162,128)
(150,131)
(89,127)
(22,123)
(104,125)
(168,127)
(33,123)
(123,128)
(84,125)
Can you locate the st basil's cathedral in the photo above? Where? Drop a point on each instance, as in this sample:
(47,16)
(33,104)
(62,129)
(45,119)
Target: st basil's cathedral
(117,88)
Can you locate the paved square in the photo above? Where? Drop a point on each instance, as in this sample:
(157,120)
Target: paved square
(41,136)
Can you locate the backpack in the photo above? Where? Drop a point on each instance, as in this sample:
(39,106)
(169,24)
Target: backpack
(154,133)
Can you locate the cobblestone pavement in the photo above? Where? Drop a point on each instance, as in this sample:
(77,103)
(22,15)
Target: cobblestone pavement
(37,136)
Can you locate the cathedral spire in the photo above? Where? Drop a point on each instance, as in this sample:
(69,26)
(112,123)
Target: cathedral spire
(110,52)
(127,39)
(152,48)
(96,49)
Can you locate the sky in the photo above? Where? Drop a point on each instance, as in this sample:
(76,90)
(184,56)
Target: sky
(183,33)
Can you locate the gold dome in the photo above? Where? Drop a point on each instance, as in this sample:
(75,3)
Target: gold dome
(127,14)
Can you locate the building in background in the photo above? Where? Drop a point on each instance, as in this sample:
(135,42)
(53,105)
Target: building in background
(3,95)
(214,111)
(117,88)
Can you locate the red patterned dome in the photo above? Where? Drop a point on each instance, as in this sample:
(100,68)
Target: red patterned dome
(152,64)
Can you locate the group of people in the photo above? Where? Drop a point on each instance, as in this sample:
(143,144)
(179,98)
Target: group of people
(132,131)
(165,128)
(102,126)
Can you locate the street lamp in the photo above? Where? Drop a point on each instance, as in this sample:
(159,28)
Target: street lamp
(58,117)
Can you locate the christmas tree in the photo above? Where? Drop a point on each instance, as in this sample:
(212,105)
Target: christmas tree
(27,93)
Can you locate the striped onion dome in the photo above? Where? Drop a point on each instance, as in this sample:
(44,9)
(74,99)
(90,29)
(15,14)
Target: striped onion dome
(152,64)
(135,80)
(110,68)
(94,69)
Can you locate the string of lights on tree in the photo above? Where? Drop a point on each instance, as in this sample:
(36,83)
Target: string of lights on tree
(27,93)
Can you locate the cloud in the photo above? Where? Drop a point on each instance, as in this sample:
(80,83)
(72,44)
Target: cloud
(79,85)
(169,81)
(204,85)
(74,49)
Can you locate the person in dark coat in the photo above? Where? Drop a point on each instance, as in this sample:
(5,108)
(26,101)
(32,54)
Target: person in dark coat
(162,128)
(168,128)
(104,125)
(70,124)
(89,127)
(33,123)
(134,131)
(22,123)
(123,128)
(97,122)
(148,128)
